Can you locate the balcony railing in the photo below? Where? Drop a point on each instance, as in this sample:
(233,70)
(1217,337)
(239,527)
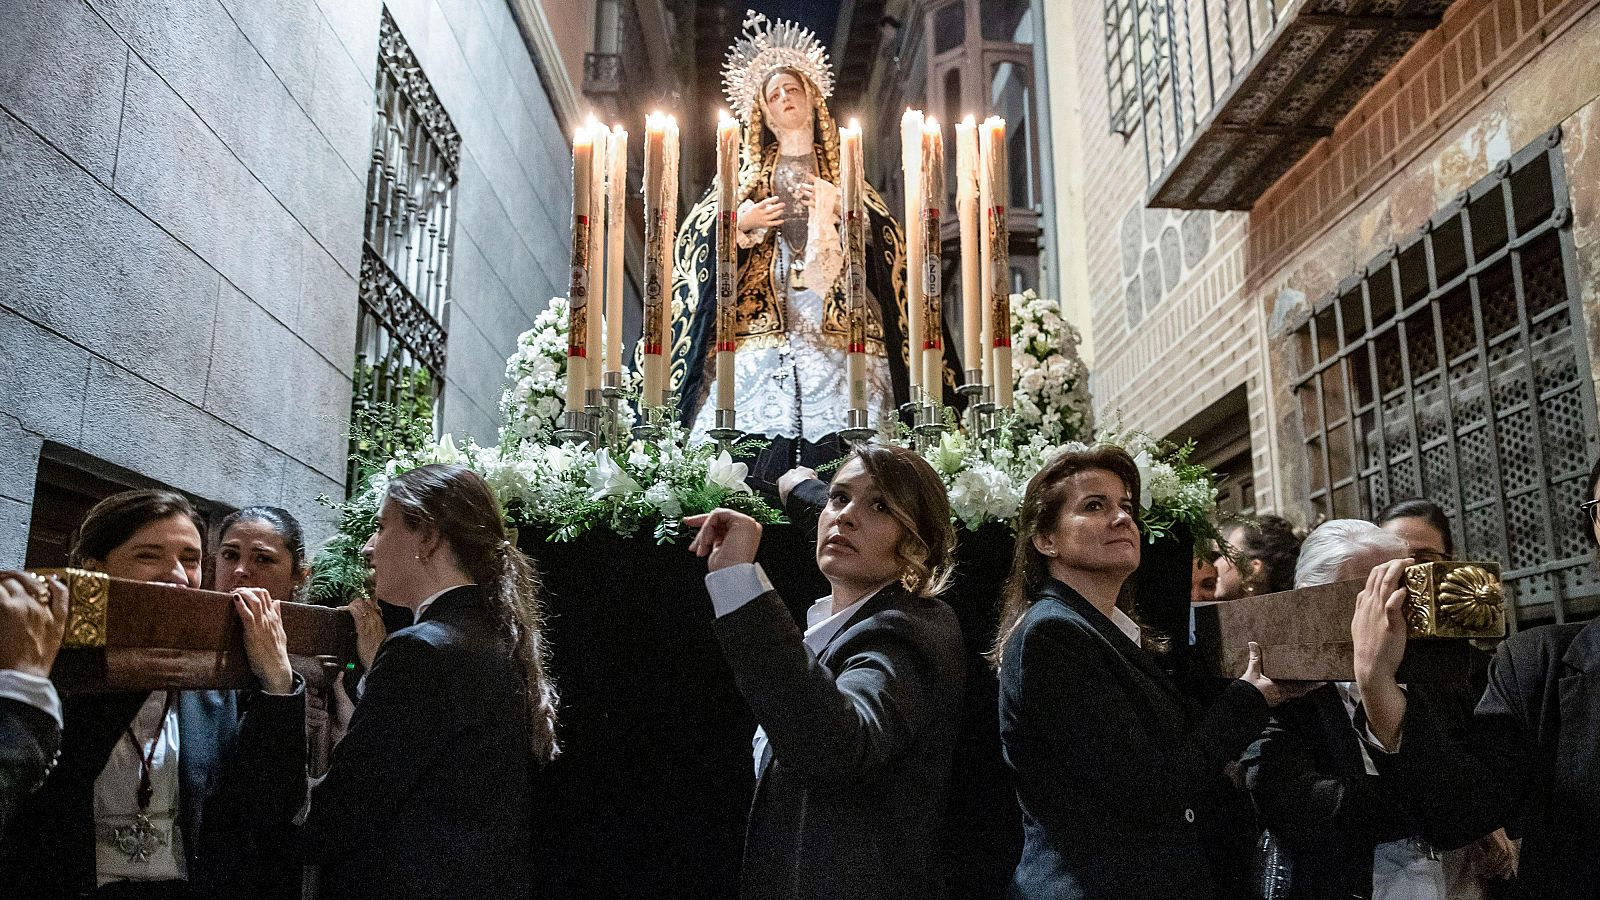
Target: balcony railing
(1240,90)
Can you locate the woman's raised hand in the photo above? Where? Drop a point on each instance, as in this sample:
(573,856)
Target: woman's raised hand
(33,615)
(726,538)
(764,214)
(265,645)
(369,629)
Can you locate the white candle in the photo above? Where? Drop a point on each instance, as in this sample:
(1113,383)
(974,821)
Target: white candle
(669,235)
(932,187)
(855,275)
(578,285)
(998,273)
(595,334)
(616,231)
(967,211)
(911,168)
(654,164)
(727,255)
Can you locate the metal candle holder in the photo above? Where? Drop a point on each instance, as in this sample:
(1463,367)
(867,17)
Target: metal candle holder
(857,430)
(611,393)
(577,427)
(650,427)
(929,425)
(726,434)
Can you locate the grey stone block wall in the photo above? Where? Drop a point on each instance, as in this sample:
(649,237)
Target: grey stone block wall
(182,189)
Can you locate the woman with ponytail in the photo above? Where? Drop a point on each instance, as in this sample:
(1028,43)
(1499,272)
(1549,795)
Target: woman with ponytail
(429,794)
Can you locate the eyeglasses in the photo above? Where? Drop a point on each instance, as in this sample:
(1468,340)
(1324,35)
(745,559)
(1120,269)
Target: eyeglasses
(1591,511)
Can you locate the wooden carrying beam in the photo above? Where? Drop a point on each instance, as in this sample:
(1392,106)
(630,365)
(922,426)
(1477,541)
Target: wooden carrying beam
(137,635)
(1304,634)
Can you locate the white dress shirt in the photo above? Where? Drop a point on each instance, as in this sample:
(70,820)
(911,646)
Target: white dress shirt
(34,690)
(738,584)
(116,804)
(1126,625)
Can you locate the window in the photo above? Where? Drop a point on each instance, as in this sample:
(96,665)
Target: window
(1136,56)
(405,261)
(1455,369)
(1011,98)
(949,27)
(1008,20)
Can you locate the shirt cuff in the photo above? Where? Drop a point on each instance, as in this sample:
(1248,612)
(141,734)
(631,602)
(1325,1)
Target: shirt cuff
(33,690)
(735,586)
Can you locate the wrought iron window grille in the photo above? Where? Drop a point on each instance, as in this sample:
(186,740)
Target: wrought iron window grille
(405,262)
(1455,367)
(1138,53)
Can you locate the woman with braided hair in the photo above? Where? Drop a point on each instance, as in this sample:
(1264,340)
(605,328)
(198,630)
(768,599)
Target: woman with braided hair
(791,320)
(429,794)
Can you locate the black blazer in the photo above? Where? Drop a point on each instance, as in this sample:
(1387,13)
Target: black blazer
(1313,792)
(29,739)
(1532,757)
(429,792)
(852,799)
(1113,764)
(241,769)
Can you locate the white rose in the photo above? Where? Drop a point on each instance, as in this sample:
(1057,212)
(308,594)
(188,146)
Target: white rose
(661,497)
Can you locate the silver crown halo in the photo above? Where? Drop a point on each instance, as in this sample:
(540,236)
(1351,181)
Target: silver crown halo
(763,48)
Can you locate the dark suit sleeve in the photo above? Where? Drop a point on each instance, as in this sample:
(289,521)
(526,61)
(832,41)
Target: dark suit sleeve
(805,500)
(402,724)
(1299,796)
(263,767)
(29,739)
(1097,740)
(832,727)
(1477,786)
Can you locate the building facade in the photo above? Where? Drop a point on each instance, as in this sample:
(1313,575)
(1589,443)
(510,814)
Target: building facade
(225,222)
(1350,249)
(951,59)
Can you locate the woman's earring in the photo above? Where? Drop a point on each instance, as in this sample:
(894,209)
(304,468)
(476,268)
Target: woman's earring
(908,579)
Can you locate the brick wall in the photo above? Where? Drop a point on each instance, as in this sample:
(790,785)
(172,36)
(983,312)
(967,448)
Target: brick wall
(1486,82)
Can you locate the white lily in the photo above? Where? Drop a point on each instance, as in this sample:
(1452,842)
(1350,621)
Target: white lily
(725,473)
(607,479)
(1144,463)
(446,451)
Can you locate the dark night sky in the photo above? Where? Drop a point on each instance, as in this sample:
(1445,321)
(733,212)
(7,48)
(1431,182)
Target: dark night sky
(818,15)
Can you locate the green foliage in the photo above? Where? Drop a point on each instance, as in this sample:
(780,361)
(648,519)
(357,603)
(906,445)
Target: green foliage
(378,435)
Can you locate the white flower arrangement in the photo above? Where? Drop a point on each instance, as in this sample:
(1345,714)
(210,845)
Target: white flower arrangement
(570,490)
(1050,391)
(536,380)
(986,484)
(536,377)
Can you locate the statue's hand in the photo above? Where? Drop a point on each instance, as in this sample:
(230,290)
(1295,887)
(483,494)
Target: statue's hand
(767,213)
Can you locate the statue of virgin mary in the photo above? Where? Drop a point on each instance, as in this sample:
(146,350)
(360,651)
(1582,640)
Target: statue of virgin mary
(791,321)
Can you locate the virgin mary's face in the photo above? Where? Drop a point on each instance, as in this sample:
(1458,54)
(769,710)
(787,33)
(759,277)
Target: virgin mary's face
(786,104)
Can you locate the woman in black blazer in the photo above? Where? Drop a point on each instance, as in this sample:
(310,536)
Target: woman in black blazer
(1112,762)
(859,713)
(429,793)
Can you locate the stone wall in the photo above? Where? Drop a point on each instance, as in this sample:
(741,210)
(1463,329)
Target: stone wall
(182,189)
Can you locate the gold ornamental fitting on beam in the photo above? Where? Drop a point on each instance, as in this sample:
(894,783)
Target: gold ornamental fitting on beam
(1455,600)
(88,599)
